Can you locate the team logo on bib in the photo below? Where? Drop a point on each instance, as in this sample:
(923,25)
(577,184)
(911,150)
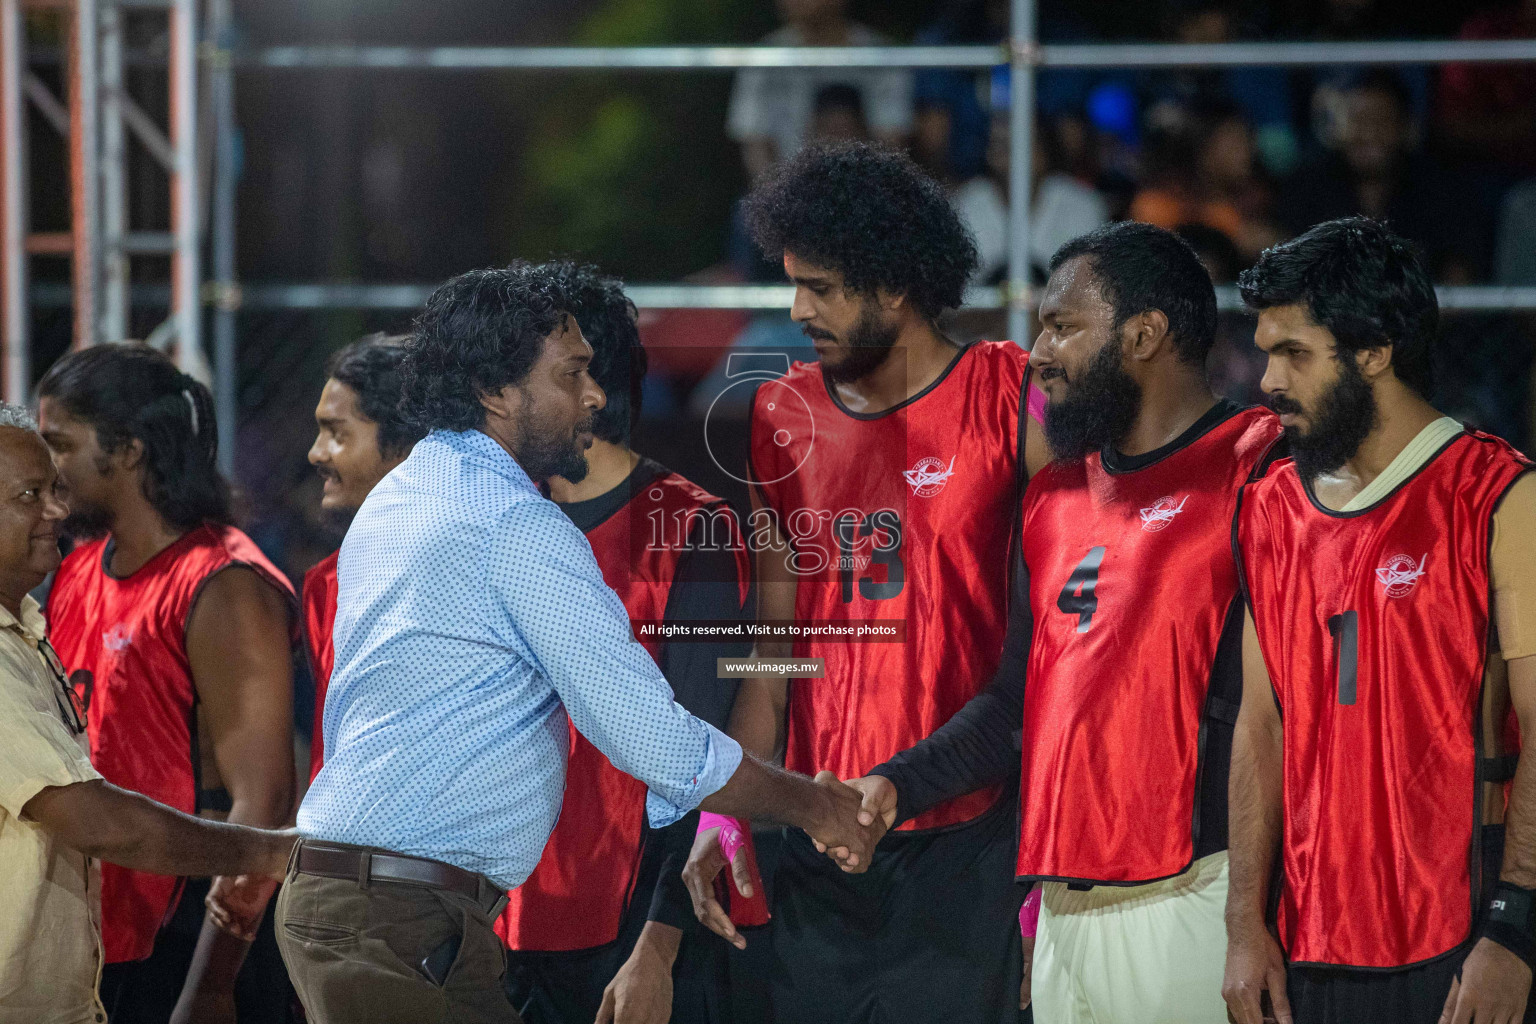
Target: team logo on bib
(929,476)
(1400,574)
(118,638)
(1161,513)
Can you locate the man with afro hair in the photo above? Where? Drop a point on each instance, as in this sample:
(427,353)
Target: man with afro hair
(885,477)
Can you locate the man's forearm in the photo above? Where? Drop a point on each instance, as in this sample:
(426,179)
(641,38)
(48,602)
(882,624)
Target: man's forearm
(976,748)
(669,903)
(269,806)
(971,751)
(219,955)
(164,841)
(768,793)
(1254,799)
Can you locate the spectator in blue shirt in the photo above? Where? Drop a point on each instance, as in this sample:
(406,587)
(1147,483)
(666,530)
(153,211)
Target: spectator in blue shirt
(471,617)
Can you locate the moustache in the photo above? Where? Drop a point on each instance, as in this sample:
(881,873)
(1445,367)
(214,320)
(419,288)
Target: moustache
(585,426)
(1281,404)
(1053,373)
(327,473)
(817,334)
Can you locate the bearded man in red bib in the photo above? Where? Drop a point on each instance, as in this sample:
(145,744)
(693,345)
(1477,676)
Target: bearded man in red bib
(887,475)
(1121,664)
(1390,573)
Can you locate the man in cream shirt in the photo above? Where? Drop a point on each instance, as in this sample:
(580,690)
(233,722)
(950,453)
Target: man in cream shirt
(57,815)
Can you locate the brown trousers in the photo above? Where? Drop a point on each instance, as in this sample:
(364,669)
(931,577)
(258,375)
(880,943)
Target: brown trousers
(355,954)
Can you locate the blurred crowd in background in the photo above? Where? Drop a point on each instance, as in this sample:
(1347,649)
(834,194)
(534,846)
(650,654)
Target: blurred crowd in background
(415,176)
(1234,159)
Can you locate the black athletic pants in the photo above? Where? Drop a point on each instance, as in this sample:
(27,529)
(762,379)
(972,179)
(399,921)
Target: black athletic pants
(928,935)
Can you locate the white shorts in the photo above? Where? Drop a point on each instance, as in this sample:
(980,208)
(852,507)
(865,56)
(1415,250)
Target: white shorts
(1144,954)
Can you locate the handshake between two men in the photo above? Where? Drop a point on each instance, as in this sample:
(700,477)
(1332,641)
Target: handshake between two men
(854,816)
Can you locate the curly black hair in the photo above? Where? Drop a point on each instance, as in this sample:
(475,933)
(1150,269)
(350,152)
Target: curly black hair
(131,392)
(477,334)
(609,322)
(1367,286)
(1140,267)
(370,366)
(869,213)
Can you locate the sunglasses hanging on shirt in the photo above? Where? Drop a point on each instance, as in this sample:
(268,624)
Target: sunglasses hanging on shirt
(74,693)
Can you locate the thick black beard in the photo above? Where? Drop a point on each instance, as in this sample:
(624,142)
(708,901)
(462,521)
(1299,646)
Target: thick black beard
(543,456)
(1345,417)
(1098,409)
(869,346)
(86,524)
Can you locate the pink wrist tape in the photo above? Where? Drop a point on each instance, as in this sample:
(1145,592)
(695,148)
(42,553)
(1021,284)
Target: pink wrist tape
(731,837)
(1029,914)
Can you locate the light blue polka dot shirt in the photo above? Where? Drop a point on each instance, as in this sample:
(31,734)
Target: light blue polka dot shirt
(471,617)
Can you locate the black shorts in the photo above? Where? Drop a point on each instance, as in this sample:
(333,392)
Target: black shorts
(930,933)
(1414,995)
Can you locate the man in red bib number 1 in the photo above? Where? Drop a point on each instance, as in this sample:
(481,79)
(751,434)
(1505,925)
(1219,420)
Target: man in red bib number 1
(1390,572)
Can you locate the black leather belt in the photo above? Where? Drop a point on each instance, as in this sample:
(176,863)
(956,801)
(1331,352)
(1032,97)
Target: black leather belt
(363,865)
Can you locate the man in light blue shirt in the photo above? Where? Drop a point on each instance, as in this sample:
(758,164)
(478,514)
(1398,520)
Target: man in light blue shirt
(471,618)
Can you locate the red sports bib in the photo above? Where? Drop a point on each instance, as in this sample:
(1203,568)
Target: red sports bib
(130,634)
(319,612)
(1132,587)
(903,515)
(1374,626)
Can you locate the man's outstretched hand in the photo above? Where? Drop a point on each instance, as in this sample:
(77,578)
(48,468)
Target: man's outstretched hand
(1493,985)
(877,813)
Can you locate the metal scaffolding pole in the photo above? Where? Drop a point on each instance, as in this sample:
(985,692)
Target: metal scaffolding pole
(1021,118)
(1189,55)
(13,208)
(633,58)
(225,178)
(270,297)
(186,279)
(85,171)
(114,321)
(725,58)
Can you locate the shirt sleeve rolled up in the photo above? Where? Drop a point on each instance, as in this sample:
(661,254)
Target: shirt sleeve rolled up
(574,628)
